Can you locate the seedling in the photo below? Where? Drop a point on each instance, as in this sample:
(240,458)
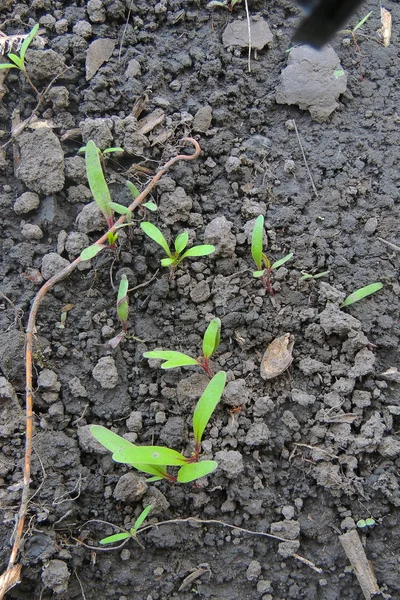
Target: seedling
(178,359)
(175,258)
(352,33)
(228,4)
(18,62)
(154,460)
(308,276)
(362,293)
(122,311)
(132,533)
(364,523)
(263,264)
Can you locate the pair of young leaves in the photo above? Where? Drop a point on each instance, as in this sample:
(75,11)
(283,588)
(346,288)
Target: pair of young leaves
(18,62)
(260,259)
(154,460)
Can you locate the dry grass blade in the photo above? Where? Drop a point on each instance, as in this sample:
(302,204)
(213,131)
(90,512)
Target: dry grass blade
(354,550)
(386,29)
(9,578)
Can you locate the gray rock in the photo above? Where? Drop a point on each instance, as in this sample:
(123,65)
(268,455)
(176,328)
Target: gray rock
(343,385)
(302,398)
(159,503)
(364,362)
(88,443)
(330,293)
(218,232)
(55,576)
(173,434)
(130,488)
(105,372)
(371,225)
(77,388)
(313,80)
(26,202)
(333,320)
(52,263)
(258,435)
(310,366)
(75,169)
(361,398)
(83,29)
(44,65)
(42,172)
(59,96)
(96,11)
(230,462)
(253,570)
(232,164)
(133,69)
(236,34)
(90,219)
(134,421)
(12,344)
(202,119)
(389,447)
(175,206)
(31,232)
(290,421)
(236,393)
(288,511)
(98,130)
(355,341)
(200,292)
(48,381)
(75,243)
(191,388)
(11,414)
(79,194)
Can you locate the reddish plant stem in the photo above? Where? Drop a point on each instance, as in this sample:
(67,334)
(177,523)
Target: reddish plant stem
(30,331)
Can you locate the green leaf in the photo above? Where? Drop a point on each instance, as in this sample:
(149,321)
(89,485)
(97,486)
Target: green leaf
(257,242)
(282,261)
(109,439)
(319,275)
(159,471)
(258,273)
(117,537)
(212,338)
(306,276)
(109,150)
(361,23)
(142,517)
(112,237)
(120,208)
(172,359)
(361,523)
(207,403)
(133,189)
(362,293)
(91,251)
(151,206)
(27,41)
(203,250)
(155,234)
(122,299)
(149,455)
(8,66)
(193,471)
(96,179)
(167,262)
(370,522)
(181,242)
(17,60)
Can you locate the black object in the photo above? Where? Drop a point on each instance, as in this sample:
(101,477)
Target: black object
(324,19)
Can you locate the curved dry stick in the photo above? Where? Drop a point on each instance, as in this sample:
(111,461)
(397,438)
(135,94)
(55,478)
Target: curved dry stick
(30,331)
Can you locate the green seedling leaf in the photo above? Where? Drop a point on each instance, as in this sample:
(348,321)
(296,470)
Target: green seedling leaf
(361,523)
(117,537)
(122,300)
(172,359)
(282,261)
(193,471)
(159,471)
(133,189)
(112,238)
(96,179)
(91,251)
(151,206)
(155,234)
(16,60)
(167,262)
(149,455)
(109,439)
(198,251)
(319,275)
(370,522)
(258,273)
(27,41)
(211,338)
(257,242)
(120,208)
(361,23)
(337,73)
(8,66)
(109,150)
(206,405)
(142,517)
(362,293)
(181,242)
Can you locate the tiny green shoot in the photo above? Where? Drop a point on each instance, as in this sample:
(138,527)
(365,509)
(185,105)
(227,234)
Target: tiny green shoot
(363,523)
(132,533)
(18,62)
(263,264)
(178,359)
(352,33)
(362,293)
(308,276)
(173,259)
(122,311)
(154,460)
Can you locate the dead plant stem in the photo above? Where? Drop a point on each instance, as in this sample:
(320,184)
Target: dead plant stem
(305,159)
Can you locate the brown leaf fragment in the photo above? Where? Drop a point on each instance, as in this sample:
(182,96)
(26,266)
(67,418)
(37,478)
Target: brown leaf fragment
(363,570)
(386,29)
(97,54)
(392,374)
(148,123)
(9,578)
(278,357)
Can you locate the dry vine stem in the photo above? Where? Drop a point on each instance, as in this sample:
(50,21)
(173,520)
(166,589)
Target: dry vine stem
(11,575)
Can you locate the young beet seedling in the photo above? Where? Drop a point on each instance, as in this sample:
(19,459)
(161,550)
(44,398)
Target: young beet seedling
(18,62)
(132,533)
(178,359)
(362,293)
(263,264)
(154,460)
(308,276)
(174,258)
(122,311)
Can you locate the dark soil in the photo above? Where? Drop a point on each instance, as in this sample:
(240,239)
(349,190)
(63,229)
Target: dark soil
(310,452)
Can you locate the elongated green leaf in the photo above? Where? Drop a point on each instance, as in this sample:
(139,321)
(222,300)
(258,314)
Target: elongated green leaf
(159,471)
(212,338)
(181,242)
(361,23)
(109,439)
(155,234)
(120,208)
(96,179)
(122,299)
(172,358)
(117,537)
(257,242)
(153,479)
(91,251)
(109,150)
(16,60)
(142,517)
(281,261)
(167,262)
(207,403)
(8,66)
(151,206)
(362,293)
(193,471)
(27,41)
(198,251)
(258,273)
(133,189)
(149,455)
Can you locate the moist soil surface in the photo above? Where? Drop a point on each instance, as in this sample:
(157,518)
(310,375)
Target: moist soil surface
(303,456)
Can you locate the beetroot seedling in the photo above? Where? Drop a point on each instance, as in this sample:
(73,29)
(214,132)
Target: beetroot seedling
(122,311)
(362,293)
(173,259)
(263,264)
(18,62)
(155,460)
(179,359)
(308,276)
(132,533)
